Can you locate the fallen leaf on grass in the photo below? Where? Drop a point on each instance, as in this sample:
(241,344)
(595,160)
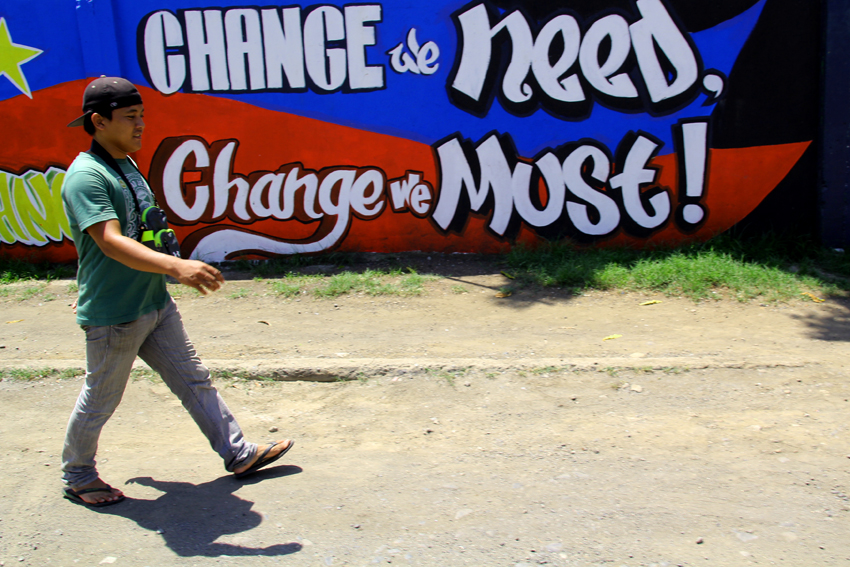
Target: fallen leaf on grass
(653,302)
(612,337)
(813,297)
(507,275)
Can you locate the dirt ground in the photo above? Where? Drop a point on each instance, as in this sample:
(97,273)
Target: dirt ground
(451,428)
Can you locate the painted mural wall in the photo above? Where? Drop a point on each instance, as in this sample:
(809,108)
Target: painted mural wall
(438,126)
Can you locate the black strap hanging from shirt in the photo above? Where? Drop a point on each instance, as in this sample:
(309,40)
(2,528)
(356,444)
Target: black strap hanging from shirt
(152,229)
(101,152)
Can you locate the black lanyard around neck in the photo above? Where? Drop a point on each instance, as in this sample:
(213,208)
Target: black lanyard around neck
(101,152)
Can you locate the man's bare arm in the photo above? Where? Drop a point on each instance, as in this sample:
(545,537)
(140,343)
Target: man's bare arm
(108,237)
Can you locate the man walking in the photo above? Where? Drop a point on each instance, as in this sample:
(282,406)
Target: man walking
(123,305)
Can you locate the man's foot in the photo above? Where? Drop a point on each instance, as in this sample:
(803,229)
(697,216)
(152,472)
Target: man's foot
(96,493)
(265,455)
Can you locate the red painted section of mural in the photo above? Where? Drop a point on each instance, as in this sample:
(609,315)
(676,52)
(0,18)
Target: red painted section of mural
(35,138)
(739,180)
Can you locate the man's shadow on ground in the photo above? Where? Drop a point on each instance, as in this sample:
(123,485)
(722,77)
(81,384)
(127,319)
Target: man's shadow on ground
(192,517)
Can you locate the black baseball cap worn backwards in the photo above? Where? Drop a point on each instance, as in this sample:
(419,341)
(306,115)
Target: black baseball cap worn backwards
(107,93)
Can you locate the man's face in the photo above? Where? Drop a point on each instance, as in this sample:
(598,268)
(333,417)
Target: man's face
(124,130)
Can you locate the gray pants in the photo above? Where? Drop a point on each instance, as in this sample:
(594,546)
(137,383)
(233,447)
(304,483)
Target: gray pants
(160,340)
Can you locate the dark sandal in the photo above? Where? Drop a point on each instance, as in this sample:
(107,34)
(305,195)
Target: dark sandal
(262,461)
(75,496)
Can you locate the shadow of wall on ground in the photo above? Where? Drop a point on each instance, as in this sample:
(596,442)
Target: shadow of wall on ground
(832,323)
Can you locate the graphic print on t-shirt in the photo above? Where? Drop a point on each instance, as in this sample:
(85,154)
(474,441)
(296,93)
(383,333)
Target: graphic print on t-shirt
(144,196)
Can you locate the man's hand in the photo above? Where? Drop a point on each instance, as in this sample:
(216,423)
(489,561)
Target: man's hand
(198,275)
(201,276)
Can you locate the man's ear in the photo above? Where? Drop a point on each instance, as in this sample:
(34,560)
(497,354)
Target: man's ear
(97,120)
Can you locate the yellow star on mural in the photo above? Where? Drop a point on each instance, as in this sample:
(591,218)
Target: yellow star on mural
(12,56)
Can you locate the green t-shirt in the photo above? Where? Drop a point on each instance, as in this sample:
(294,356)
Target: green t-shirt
(110,292)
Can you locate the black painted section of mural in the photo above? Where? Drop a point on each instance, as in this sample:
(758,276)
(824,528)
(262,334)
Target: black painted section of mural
(774,98)
(835,169)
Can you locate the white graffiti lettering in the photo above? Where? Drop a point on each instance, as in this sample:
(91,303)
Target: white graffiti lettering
(635,175)
(252,49)
(423,60)
(271,195)
(665,60)
(329,196)
(606,207)
(411,193)
(496,178)
(579,189)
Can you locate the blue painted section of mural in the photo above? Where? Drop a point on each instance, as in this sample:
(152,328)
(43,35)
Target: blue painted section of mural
(423,98)
(415,106)
(54,32)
